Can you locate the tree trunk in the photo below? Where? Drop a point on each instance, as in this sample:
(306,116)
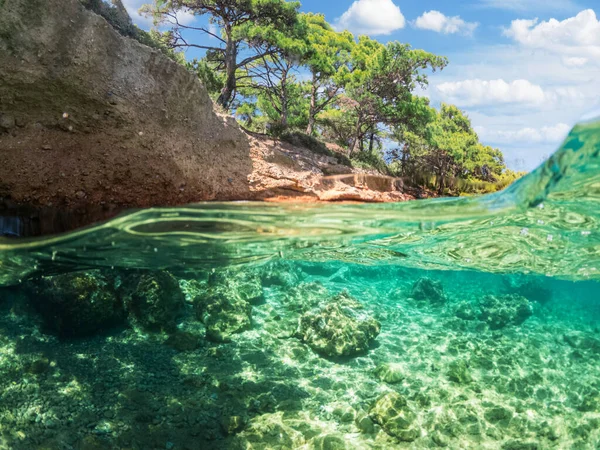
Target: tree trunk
(313,106)
(357,137)
(226,95)
(284,101)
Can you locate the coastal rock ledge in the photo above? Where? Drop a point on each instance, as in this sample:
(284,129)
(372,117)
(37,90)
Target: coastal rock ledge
(90,117)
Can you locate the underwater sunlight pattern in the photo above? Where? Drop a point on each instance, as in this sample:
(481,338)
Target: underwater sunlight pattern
(447,323)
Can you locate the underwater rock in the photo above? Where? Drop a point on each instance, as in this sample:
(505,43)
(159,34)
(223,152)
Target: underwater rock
(339,328)
(466,311)
(395,417)
(458,371)
(233,424)
(77,304)
(246,285)
(183,341)
(154,300)
(223,313)
(532,288)
(269,432)
(280,274)
(391,373)
(330,442)
(500,311)
(429,291)
(364,423)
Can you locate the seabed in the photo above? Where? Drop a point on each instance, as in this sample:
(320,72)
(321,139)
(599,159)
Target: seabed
(293,355)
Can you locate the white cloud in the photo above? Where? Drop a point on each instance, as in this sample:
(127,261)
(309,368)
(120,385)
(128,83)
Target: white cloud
(440,23)
(574,61)
(133,7)
(577,36)
(372,17)
(544,135)
(531,5)
(478,92)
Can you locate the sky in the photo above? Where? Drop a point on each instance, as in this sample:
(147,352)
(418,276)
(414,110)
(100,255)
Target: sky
(525,71)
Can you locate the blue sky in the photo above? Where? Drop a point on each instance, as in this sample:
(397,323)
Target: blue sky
(525,71)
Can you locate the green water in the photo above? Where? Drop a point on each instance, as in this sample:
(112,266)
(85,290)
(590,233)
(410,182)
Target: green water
(453,323)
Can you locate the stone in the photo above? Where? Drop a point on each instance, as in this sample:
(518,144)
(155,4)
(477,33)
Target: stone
(77,304)
(391,411)
(500,311)
(183,341)
(465,311)
(429,291)
(223,313)
(458,371)
(7,122)
(246,285)
(330,442)
(154,300)
(390,373)
(232,424)
(364,423)
(340,328)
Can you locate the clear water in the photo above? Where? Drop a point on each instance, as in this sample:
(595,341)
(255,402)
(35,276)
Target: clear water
(458,323)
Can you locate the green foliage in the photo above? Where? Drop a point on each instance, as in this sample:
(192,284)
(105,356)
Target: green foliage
(253,27)
(358,93)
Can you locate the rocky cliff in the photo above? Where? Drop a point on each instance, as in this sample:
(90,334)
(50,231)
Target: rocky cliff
(88,116)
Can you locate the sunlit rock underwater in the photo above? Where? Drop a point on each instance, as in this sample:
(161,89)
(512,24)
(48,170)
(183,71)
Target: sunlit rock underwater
(451,323)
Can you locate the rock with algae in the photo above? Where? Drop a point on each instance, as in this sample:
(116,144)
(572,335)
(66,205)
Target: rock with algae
(77,304)
(503,310)
(223,313)
(392,413)
(154,300)
(390,373)
(339,328)
(429,291)
(458,371)
(245,284)
(269,431)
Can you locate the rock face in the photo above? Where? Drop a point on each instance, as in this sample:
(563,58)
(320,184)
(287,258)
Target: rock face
(339,328)
(77,304)
(89,116)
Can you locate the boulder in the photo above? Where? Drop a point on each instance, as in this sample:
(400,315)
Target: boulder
(429,291)
(500,311)
(154,300)
(77,304)
(223,313)
(395,417)
(340,328)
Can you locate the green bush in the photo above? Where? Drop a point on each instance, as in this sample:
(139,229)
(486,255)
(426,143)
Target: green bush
(371,160)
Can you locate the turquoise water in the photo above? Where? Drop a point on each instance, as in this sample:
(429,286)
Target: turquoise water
(452,323)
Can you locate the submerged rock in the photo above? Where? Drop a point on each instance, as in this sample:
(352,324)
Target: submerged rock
(466,311)
(223,313)
(500,311)
(154,300)
(77,304)
(183,341)
(246,285)
(269,431)
(391,373)
(429,291)
(458,371)
(340,328)
(395,417)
